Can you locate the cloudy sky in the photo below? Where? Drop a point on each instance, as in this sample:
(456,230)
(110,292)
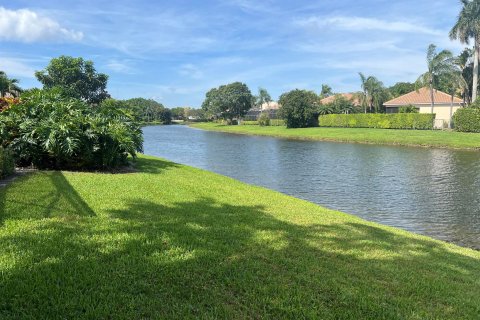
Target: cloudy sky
(174,51)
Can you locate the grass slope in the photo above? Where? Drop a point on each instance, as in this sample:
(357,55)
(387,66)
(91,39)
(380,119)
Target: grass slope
(425,138)
(172,241)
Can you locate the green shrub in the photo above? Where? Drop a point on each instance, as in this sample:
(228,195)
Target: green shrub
(277,122)
(7,163)
(376,120)
(50,130)
(264,120)
(408,109)
(467,120)
(299,108)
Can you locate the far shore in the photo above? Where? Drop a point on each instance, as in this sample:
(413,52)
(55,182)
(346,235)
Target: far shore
(415,138)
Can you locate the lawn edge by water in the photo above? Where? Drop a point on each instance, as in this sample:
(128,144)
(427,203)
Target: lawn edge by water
(408,138)
(199,244)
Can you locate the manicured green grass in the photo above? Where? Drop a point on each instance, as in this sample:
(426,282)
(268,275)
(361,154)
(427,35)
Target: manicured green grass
(427,138)
(172,241)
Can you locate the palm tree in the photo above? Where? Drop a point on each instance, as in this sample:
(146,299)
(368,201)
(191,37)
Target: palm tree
(262,98)
(364,96)
(466,28)
(464,62)
(372,90)
(456,83)
(439,64)
(326,91)
(8,85)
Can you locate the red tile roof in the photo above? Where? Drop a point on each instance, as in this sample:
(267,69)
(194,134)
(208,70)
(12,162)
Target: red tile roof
(422,96)
(348,96)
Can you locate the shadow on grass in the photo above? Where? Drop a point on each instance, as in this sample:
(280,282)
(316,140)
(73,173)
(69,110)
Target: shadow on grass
(51,194)
(153,165)
(205,259)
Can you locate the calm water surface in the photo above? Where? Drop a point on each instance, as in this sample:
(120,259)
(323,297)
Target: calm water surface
(435,192)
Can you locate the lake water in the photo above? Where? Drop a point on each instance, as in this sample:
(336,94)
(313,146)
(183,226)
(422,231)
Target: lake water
(434,192)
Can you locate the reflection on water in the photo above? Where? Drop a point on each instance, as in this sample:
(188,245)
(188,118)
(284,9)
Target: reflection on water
(435,192)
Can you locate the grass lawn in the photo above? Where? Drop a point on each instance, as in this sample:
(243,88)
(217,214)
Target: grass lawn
(171,241)
(428,138)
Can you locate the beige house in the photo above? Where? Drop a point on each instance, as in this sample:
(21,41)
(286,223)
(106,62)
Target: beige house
(422,100)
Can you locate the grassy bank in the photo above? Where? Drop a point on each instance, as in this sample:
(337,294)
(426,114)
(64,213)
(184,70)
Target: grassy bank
(425,138)
(174,241)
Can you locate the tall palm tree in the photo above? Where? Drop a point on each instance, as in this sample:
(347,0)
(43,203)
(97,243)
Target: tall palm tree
(364,97)
(8,85)
(372,88)
(467,28)
(439,64)
(464,61)
(456,83)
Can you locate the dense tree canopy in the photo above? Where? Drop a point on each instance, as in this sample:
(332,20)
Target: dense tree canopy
(401,88)
(228,101)
(144,110)
(75,76)
(299,108)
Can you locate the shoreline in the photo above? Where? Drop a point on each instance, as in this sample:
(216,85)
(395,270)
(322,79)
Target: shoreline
(356,137)
(186,238)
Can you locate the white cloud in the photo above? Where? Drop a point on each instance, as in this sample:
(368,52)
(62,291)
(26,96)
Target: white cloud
(191,71)
(120,66)
(364,24)
(15,67)
(27,26)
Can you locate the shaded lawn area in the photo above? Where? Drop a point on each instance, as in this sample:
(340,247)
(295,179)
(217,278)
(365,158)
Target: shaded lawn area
(172,241)
(424,138)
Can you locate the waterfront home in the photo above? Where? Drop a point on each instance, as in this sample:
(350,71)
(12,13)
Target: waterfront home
(354,98)
(444,107)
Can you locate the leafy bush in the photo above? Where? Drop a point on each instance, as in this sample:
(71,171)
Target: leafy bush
(408,109)
(7,163)
(375,120)
(299,108)
(50,130)
(263,120)
(467,120)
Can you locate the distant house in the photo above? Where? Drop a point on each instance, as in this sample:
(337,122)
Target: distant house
(349,96)
(271,108)
(422,100)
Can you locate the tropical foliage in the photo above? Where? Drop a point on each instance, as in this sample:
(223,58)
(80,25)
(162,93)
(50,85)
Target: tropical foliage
(9,85)
(48,129)
(379,121)
(374,94)
(467,28)
(76,77)
(299,108)
(439,64)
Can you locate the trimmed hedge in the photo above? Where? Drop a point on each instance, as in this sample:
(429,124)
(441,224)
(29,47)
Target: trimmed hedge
(419,121)
(7,163)
(467,120)
(273,122)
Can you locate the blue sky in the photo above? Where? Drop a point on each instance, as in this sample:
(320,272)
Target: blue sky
(175,51)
